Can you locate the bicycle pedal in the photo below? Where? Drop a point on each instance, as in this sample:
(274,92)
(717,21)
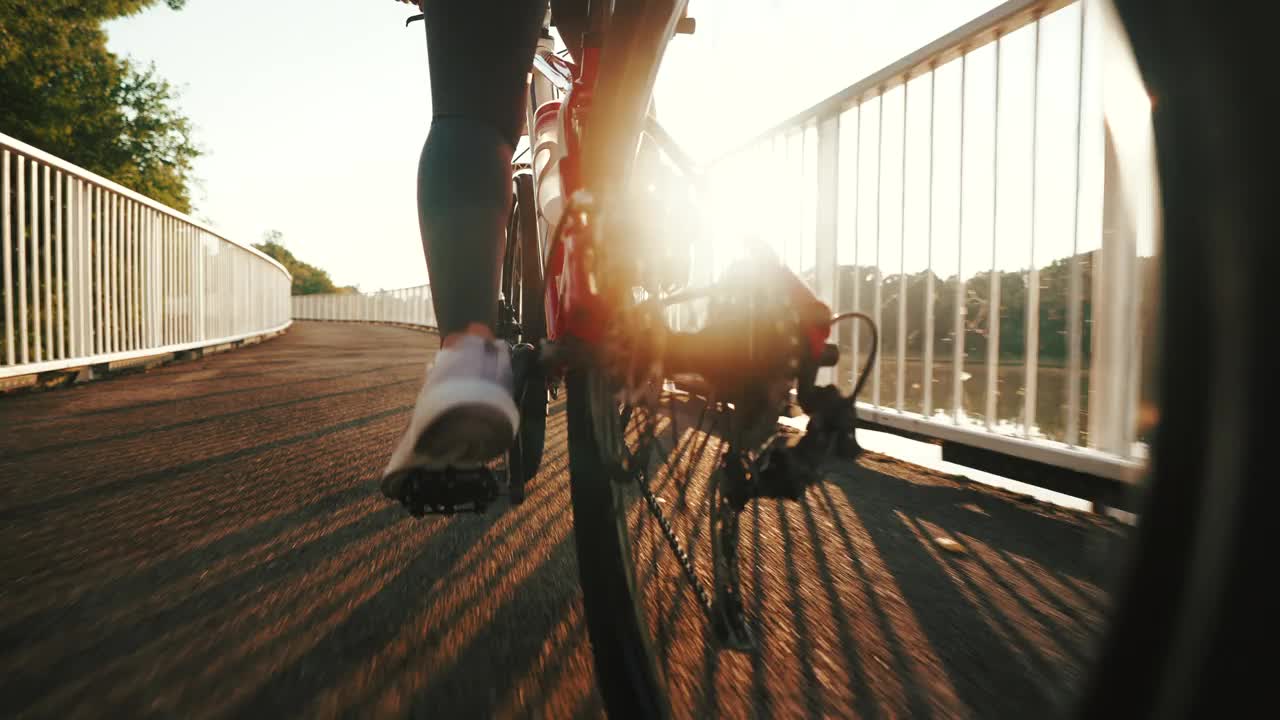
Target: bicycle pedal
(449,491)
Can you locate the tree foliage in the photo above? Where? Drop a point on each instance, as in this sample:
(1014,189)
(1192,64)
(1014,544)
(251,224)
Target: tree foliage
(1054,309)
(64,92)
(307,279)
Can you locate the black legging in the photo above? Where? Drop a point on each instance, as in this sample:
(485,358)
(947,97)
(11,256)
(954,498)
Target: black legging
(480,53)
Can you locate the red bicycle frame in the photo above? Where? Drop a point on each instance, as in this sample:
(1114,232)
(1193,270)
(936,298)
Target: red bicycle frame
(575,305)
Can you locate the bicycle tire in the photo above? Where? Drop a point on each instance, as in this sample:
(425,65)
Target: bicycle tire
(626,674)
(524,281)
(624,662)
(533,321)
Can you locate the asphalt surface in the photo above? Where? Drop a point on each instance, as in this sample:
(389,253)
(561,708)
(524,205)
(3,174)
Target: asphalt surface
(207,540)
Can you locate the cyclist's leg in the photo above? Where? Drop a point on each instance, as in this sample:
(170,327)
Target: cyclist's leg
(480,52)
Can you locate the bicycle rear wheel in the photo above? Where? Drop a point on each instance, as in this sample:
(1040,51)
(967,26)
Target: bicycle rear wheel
(657,492)
(625,670)
(604,506)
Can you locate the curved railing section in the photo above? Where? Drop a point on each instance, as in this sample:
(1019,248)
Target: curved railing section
(405,306)
(95,273)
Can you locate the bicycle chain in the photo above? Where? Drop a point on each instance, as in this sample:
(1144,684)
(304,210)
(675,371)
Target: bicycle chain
(673,541)
(686,563)
(729,542)
(732,610)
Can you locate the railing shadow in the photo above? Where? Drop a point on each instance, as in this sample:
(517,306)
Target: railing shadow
(1004,626)
(1006,642)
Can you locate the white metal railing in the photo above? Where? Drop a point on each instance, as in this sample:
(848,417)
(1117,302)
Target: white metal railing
(408,306)
(981,184)
(96,273)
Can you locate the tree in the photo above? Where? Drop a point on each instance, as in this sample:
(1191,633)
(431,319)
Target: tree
(1054,310)
(64,92)
(307,279)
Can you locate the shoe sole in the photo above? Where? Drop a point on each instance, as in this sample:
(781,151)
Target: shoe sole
(477,422)
(464,437)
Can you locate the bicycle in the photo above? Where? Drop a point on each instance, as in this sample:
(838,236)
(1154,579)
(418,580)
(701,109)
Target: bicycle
(630,378)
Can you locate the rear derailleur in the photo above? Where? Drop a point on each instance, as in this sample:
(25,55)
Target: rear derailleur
(784,469)
(789,465)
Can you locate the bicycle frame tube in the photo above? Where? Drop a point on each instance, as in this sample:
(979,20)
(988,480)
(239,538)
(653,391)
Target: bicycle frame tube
(561,75)
(570,306)
(628,65)
(555,69)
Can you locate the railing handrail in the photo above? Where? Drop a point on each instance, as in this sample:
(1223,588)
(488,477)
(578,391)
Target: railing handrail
(981,31)
(54,161)
(370,292)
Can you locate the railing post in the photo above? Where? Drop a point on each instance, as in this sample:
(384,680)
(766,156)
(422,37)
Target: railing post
(828,213)
(131,275)
(857,255)
(958,339)
(901,388)
(202,282)
(1031,348)
(1075,292)
(926,408)
(1115,322)
(170,278)
(993,293)
(71,230)
(59,240)
(6,238)
(37,345)
(95,202)
(183,290)
(111,254)
(879,274)
(46,256)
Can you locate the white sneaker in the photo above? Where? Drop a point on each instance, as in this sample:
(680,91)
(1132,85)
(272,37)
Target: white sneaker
(465,415)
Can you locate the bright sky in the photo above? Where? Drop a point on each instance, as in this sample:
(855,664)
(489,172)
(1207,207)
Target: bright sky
(312,112)
(891,207)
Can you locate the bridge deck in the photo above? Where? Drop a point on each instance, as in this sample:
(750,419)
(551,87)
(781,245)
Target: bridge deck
(207,539)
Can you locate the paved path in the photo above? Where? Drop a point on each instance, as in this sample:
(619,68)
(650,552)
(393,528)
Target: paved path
(206,539)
